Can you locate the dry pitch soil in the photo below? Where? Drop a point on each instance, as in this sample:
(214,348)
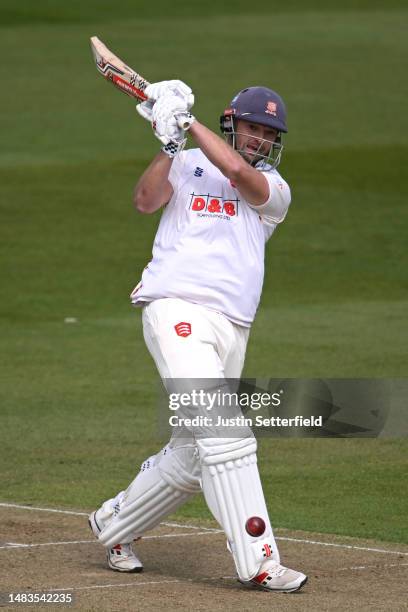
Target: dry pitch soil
(189,568)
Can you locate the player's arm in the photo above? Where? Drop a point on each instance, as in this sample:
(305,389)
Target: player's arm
(165,100)
(153,190)
(251,183)
(165,115)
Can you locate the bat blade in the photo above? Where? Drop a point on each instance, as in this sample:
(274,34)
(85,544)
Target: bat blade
(123,77)
(113,69)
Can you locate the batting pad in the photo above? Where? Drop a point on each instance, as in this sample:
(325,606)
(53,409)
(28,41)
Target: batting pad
(233,492)
(169,481)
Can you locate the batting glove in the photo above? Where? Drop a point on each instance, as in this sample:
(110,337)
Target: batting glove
(171,88)
(145,109)
(170,119)
(161,89)
(173,148)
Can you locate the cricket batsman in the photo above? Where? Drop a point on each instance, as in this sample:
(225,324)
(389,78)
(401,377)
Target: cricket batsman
(221,201)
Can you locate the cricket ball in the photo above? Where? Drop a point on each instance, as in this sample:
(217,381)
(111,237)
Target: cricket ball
(255,526)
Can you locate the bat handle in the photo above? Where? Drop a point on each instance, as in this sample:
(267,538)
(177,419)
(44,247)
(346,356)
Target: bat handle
(185,120)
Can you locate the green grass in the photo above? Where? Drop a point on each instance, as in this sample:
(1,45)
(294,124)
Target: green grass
(78,401)
(53,12)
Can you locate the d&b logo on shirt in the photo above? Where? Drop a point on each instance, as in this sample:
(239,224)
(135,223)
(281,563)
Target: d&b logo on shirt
(207,205)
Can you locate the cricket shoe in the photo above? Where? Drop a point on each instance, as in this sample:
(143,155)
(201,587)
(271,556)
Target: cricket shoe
(121,557)
(277,578)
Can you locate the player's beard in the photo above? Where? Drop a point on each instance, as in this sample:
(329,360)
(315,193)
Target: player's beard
(253,155)
(264,153)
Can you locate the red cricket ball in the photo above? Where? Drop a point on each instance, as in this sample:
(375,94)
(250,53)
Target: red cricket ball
(255,526)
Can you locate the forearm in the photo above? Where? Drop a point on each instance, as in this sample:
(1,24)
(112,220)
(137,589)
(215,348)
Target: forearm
(249,182)
(153,189)
(228,161)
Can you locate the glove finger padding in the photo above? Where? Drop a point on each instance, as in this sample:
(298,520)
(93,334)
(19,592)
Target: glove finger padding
(164,118)
(174,87)
(183,91)
(168,131)
(156,90)
(145,109)
(190,101)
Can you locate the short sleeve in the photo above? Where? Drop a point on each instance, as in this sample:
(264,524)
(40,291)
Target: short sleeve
(275,208)
(176,169)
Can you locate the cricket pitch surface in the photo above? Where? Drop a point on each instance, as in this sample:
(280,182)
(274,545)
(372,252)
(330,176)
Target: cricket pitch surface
(187,567)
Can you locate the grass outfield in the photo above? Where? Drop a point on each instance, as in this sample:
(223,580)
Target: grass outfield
(78,400)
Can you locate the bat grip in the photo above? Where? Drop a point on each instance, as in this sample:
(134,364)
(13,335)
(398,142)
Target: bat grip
(185,120)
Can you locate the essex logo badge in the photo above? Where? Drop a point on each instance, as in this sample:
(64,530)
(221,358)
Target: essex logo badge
(183,329)
(271,108)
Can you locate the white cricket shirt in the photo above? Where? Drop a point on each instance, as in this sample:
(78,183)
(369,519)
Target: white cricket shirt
(210,244)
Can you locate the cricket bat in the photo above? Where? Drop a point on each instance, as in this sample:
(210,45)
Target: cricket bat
(122,76)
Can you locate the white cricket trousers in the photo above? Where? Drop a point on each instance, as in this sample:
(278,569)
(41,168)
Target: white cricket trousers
(190,341)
